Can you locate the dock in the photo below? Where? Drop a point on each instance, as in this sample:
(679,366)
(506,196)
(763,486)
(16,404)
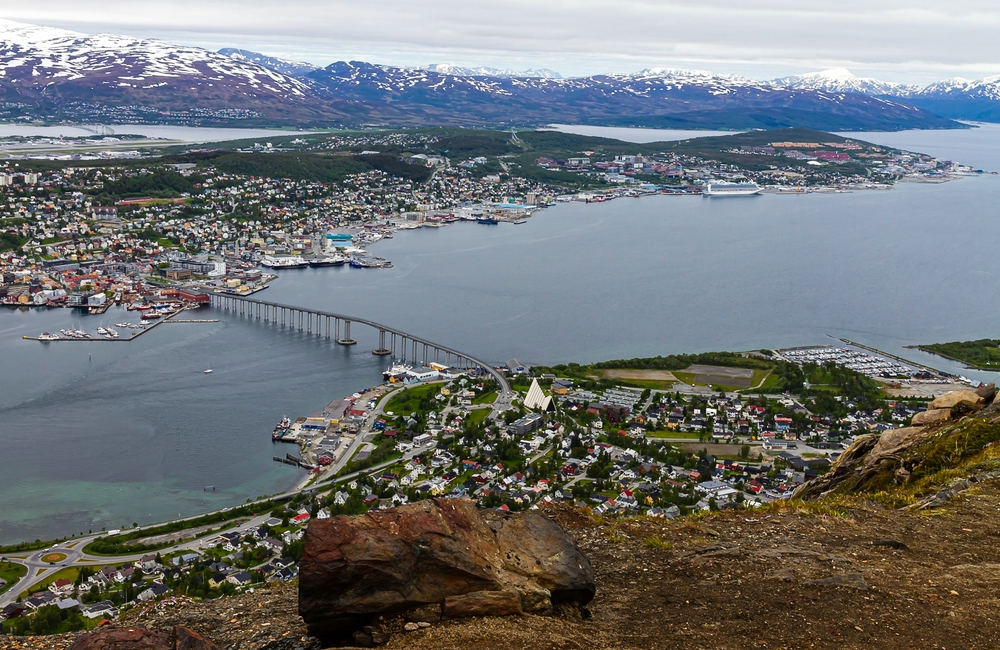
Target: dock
(899,359)
(169,318)
(192,320)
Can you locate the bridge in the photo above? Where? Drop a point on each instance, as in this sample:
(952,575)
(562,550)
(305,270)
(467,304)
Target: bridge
(391,341)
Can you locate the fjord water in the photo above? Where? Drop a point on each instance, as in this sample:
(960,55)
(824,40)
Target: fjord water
(135,431)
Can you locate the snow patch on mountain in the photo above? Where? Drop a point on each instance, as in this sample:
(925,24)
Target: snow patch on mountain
(282,66)
(36,56)
(484,71)
(843,81)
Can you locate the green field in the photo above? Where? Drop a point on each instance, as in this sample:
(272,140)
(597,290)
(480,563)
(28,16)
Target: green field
(11,572)
(486,398)
(408,400)
(983,354)
(653,384)
(477,416)
(72,573)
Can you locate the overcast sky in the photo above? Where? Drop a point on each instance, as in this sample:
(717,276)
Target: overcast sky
(913,42)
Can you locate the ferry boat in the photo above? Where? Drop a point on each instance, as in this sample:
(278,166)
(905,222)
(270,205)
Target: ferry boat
(731,189)
(369,262)
(396,372)
(284,262)
(334,260)
(149,315)
(45,336)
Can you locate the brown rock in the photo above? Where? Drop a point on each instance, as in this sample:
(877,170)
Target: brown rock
(133,638)
(954,397)
(534,546)
(932,416)
(415,557)
(483,603)
(186,639)
(124,638)
(987,391)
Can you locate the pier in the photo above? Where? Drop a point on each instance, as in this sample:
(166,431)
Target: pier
(136,333)
(337,327)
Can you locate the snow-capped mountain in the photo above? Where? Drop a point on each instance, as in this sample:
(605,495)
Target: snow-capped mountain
(956,98)
(977,100)
(840,80)
(282,66)
(52,72)
(655,97)
(483,71)
(51,66)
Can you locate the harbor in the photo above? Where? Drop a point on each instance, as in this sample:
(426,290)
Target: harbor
(110,334)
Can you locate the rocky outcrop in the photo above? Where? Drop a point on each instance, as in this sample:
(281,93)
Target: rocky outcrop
(876,461)
(932,416)
(864,460)
(439,557)
(955,397)
(133,638)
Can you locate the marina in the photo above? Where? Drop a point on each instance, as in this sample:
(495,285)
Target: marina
(150,319)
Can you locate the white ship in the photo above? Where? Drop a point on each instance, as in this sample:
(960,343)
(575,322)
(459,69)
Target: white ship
(731,189)
(284,262)
(396,372)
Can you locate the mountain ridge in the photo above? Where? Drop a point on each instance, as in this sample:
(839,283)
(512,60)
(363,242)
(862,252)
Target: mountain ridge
(51,73)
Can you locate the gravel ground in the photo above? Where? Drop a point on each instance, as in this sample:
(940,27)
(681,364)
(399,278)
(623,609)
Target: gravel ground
(865,577)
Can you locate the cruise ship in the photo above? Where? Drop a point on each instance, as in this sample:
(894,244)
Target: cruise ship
(731,189)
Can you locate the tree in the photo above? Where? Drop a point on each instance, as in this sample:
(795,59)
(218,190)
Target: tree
(745,452)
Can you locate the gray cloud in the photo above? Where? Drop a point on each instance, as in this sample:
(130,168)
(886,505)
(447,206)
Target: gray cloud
(916,41)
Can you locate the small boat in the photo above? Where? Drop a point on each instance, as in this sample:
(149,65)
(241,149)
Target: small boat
(520,221)
(208,371)
(45,336)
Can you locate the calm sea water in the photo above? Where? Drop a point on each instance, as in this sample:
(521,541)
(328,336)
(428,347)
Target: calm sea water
(135,431)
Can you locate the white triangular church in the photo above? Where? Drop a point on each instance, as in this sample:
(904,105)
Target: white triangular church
(536,399)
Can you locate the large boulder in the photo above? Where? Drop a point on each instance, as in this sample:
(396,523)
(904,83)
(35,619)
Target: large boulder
(932,416)
(951,399)
(134,638)
(429,556)
(535,547)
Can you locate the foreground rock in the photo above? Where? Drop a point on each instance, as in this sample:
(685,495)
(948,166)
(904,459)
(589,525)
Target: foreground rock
(133,638)
(438,558)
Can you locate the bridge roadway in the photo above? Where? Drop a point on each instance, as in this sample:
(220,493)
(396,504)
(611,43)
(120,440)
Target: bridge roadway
(277,312)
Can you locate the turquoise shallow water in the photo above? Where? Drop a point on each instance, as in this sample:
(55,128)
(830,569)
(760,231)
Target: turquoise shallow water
(136,431)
